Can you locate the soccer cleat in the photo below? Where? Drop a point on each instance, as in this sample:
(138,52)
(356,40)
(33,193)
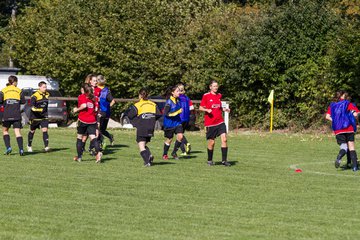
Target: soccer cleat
(29,149)
(98,157)
(175,156)
(77,159)
(8,151)
(165,157)
(188,148)
(112,140)
(225,163)
(183,154)
(21,152)
(337,163)
(46,149)
(147,164)
(210,163)
(355,169)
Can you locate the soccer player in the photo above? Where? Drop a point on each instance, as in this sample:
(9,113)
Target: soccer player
(92,80)
(39,115)
(144,114)
(214,122)
(12,97)
(187,107)
(172,122)
(343,116)
(106,101)
(86,121)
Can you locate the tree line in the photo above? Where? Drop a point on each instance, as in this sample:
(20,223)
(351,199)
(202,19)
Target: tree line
(303,49)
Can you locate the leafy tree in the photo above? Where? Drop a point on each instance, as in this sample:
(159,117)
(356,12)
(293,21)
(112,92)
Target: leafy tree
(124,40)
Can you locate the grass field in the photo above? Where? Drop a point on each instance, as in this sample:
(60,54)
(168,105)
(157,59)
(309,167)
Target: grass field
(49,196)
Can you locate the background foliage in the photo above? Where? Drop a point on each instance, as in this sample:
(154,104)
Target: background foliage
(302,49)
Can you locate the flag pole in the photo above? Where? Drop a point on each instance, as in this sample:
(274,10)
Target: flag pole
(271,101)
(271,115)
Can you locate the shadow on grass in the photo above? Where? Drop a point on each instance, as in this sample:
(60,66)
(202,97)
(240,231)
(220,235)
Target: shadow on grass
(113,149)
(192,152)
(162,163)
(43,151)
(187,157)
(233,163)
(345,168)
(117,146)
(106,159)
(90,159)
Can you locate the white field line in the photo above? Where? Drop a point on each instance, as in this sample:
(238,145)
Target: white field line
(296,166)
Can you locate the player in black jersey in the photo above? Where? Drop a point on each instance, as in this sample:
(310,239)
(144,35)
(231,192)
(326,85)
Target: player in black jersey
(144,114)
(12,97)
(39,115)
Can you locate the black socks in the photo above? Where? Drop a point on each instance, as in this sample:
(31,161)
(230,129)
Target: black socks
(46,139)
(6,141)
(20,143)
(224,151)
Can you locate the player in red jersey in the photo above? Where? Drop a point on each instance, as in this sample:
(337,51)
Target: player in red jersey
(86,121)
(92,80)
(214,122)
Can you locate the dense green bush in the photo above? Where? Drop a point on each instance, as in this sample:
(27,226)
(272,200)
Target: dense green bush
(303,49)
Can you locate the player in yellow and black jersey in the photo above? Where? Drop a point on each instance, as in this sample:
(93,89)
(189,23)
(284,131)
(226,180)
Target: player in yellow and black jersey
(144,114)
(12,97)
(39,102)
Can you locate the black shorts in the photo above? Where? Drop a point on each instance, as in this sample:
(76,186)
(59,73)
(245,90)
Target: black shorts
(37,123)
(170,132)
(14,123)
(142,139)
(345,138)
(215,131)
(86,129)
(184,125)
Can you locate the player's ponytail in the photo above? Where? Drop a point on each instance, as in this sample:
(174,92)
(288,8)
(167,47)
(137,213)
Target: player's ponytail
(88,91)
(144,94)
(11,80)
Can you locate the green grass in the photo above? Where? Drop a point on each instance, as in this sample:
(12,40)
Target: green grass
(49,196)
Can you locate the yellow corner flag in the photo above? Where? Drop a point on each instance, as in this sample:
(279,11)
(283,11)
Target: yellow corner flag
(271,97)
(271,101)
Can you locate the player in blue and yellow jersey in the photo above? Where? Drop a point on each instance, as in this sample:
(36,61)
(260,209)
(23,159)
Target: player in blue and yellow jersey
(172,122)
(12,97)
(106,101)
(187,107)
(143,115)
(39,102)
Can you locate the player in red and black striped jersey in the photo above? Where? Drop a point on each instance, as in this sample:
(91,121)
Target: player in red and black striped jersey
(214,122)
(12,97)
(39,115)
(87,121)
